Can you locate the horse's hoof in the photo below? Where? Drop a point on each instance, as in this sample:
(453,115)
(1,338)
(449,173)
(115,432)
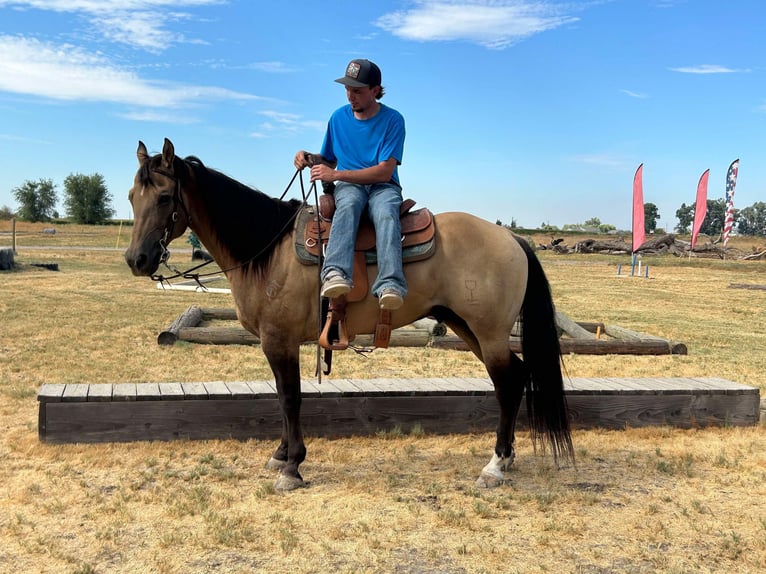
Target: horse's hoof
(285,483)
(275,464)
(487,480)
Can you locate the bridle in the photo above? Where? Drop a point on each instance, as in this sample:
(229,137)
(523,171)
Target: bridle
(173,218)
(167,233)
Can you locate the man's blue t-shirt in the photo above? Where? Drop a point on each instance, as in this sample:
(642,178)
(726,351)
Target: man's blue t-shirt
(357,144)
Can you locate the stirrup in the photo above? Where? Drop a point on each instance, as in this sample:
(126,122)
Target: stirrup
(336,321)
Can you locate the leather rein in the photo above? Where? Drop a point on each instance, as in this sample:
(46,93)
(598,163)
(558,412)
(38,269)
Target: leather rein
(170,225)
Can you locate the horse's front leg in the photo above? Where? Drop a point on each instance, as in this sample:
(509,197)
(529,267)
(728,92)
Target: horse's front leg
(292,450)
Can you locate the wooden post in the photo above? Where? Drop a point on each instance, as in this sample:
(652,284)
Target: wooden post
(13,235)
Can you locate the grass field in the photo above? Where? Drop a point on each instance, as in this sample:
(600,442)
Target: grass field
(639,500)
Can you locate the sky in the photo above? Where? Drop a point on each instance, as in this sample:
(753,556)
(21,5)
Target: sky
(537,112)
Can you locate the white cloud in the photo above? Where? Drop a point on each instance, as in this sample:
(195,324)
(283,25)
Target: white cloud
(66,72)
(633,94)
(138,23)
(288,122)
(705,69)
(494,24)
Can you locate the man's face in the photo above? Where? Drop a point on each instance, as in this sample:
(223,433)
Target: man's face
(361,98)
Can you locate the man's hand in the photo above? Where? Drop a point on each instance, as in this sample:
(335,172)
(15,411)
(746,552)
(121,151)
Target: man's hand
(302,159)
(322,172)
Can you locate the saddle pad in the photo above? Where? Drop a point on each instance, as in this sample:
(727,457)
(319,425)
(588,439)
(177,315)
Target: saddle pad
(417,228)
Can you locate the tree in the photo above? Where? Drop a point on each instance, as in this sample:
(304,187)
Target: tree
(592,222)
(37,200)
(685,216)
(88,201)
(712,224)
(752,220)
(6,212)
(651,215)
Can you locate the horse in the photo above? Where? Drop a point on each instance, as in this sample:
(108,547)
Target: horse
(479,280)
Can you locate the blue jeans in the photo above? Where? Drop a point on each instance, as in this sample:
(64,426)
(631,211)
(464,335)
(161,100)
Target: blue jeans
(383,201)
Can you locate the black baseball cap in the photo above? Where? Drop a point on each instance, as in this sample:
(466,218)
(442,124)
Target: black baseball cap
(361,74)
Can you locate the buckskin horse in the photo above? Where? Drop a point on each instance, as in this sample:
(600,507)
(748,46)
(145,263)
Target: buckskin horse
(479,279)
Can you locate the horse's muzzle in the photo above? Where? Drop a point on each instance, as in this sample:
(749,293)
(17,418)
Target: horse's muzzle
(141,263)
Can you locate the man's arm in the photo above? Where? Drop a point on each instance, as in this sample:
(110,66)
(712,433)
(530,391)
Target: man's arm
(380,173)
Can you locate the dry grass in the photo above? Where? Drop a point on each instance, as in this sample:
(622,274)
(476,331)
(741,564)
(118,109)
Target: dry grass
(646,500)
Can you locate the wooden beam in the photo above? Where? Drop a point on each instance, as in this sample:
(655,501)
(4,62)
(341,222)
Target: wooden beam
(346,407)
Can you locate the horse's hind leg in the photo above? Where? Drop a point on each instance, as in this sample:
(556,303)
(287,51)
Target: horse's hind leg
(508,378)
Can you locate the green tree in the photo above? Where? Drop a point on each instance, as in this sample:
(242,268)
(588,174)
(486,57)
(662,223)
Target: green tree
(685,216)
(651,215)
(6,212)
(712,224)
(592,222)
(752,220)
(87,200)
(37,200)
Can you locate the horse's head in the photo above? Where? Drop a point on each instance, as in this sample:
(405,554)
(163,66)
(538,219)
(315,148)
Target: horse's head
(159,214)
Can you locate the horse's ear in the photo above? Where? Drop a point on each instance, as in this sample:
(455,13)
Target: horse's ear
(141,153)
(168,155)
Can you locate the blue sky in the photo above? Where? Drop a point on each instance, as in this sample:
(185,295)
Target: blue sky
(515,109)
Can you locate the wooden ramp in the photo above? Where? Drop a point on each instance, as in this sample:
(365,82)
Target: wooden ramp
(342,407)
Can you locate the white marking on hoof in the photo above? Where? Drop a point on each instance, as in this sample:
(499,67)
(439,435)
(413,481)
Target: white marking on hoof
(492,475)
(286,483)
(275,464)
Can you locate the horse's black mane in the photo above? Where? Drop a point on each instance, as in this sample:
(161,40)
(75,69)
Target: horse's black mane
(246,221)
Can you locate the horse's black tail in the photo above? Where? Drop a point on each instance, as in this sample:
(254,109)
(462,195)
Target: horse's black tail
(546,403)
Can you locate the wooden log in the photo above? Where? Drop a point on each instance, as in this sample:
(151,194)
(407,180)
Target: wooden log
(217,335)
(239,336)
(628,335)
(189,318)
(220,313)
(582,346)
(571,328)
(399,338)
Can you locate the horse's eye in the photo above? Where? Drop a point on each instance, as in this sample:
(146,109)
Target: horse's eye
(163,200)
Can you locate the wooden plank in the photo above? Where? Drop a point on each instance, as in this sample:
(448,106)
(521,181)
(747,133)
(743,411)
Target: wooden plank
(124,392)
(346,387)
(99,392)
(217,391)
(240,390)
(75,393)
(194,391)
(263,389)
(51,393)
(729,387)
(475,386)
(328,389)
(171,391)
(148,392)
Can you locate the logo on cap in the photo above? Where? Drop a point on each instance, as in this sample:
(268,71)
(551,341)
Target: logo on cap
(353,70)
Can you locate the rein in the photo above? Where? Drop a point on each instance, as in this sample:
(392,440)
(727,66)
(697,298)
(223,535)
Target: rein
(167,233)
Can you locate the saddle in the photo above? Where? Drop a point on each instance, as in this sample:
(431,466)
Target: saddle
(311,237)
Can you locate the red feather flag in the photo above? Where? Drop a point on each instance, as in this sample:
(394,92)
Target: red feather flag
(700,208)
(639,235)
